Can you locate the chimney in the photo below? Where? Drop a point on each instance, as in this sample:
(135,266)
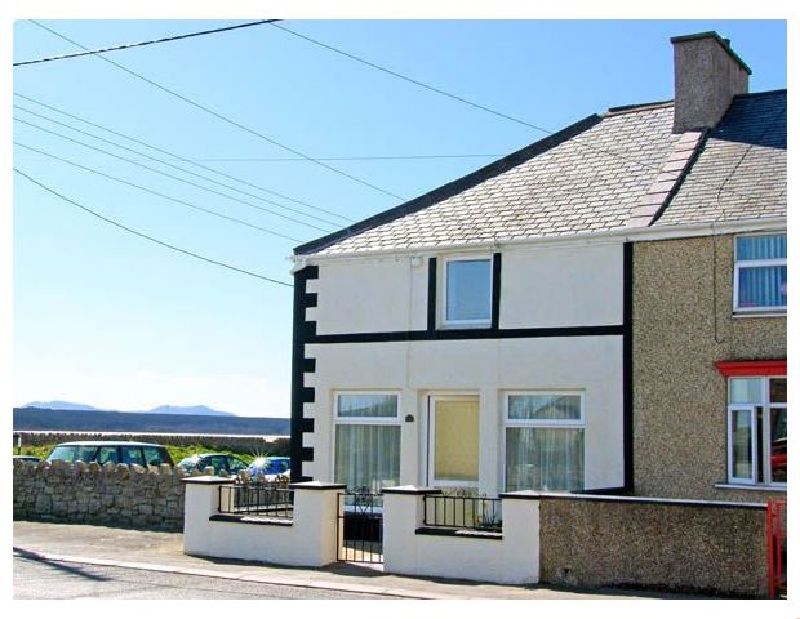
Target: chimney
(707,75)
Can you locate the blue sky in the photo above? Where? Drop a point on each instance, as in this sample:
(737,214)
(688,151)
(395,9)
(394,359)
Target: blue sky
(106,318)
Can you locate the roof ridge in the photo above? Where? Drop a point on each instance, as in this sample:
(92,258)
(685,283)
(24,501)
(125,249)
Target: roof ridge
(453,187)
(765,93)
(636,107)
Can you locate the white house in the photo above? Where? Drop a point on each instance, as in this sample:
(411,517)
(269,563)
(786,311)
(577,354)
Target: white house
(479,338)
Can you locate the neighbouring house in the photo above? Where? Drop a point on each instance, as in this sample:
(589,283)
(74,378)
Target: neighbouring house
(601,311)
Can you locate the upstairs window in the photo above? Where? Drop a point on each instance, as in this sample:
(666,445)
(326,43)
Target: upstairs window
(760,273)
(468,292)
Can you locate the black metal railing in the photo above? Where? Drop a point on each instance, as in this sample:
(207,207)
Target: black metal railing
(461,512)
(360,520)
(257,499)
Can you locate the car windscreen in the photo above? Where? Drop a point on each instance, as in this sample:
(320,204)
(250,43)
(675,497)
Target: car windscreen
(73,453)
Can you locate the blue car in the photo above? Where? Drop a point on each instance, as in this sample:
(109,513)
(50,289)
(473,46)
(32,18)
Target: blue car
(271,467)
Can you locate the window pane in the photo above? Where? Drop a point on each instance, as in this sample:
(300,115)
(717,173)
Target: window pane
(778,444)
(468,285)
(367,456)
(766,247)
(456,440)
(549,459)
(742,432)
(777,390)
(544,407)
(367,406)
(762,286)
(746,391)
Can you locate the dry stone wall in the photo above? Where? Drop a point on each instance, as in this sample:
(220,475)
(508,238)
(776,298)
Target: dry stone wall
(152,498)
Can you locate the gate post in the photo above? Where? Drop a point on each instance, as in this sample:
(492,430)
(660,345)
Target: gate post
(202,502)
(403,513)
(315,515)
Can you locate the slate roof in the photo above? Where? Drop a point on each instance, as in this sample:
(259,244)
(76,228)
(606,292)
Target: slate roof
(588,177)
(740,173)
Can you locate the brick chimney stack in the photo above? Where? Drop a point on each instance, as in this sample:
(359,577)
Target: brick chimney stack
(707,76)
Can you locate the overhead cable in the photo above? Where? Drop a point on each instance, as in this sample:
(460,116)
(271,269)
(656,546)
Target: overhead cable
(187,160)
(184,170)
(150,238)
(156,193)
(166,174)
(228,120)
(178,37)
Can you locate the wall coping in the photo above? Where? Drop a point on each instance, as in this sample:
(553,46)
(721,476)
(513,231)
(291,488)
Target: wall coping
(416,490)
(316,485)
(533,495)
(207,480)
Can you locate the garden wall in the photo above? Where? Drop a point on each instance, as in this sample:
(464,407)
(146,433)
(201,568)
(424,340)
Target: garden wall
(119,496)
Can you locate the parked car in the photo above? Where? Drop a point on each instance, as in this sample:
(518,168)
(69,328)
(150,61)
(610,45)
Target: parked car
(272,467)
(22,458)
(220,462)
(116,452)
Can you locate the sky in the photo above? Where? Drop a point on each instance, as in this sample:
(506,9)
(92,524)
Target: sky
(296,140)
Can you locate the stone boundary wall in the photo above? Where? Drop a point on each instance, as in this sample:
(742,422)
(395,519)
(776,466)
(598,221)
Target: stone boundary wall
(688,546)
(80,493)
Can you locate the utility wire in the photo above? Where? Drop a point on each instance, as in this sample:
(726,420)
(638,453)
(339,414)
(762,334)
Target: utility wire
(577,139)
(184,170)
(450,95)
(364,158)
(156,193)
(152,42)
(166,174)
(191,161)
(150,238)
(226,119)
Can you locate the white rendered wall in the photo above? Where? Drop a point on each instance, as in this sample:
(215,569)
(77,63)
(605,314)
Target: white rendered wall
(562,286)
(591,365)
(512,559)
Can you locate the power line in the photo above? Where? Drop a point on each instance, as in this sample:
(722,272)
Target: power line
(184,170)
(166,174)
(150,238)
(364,158)
(151,42)
(156,193)
(191,161)
(226,119)
(576,139)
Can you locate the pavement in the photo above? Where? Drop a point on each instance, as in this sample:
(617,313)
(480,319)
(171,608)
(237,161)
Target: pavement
(163,552)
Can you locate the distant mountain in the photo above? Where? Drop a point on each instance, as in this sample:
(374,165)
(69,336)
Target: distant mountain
(200,409)
(62,406)
(165,409)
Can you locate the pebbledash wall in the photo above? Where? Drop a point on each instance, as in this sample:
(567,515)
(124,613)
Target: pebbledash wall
(90,494)
(683,322)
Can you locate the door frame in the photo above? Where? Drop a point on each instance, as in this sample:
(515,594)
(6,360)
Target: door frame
(430,400)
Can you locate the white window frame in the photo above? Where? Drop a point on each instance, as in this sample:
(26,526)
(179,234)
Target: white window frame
(759,452)
(483,322)
(739,264)
(369,421)
(540,423)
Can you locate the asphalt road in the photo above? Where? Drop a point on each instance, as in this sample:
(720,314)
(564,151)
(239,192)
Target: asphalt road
(36,578)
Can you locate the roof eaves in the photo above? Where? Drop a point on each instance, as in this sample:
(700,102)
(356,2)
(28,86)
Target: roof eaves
(452,188)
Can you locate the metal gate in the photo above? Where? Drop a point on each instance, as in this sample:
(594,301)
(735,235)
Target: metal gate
(360,527)
(776,546)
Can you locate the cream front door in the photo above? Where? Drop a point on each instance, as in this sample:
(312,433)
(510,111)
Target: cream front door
(453,423)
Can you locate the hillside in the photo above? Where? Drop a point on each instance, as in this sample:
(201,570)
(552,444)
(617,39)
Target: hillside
(41,420)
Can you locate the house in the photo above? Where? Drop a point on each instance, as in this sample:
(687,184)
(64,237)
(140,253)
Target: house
(601,311)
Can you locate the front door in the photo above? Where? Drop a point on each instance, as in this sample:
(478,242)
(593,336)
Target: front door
(453,423)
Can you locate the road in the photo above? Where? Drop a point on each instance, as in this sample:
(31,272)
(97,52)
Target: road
(36,578)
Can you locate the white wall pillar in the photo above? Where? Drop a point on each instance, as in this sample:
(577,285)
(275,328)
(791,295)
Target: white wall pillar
(403,511)
(202,502)
(520,538)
